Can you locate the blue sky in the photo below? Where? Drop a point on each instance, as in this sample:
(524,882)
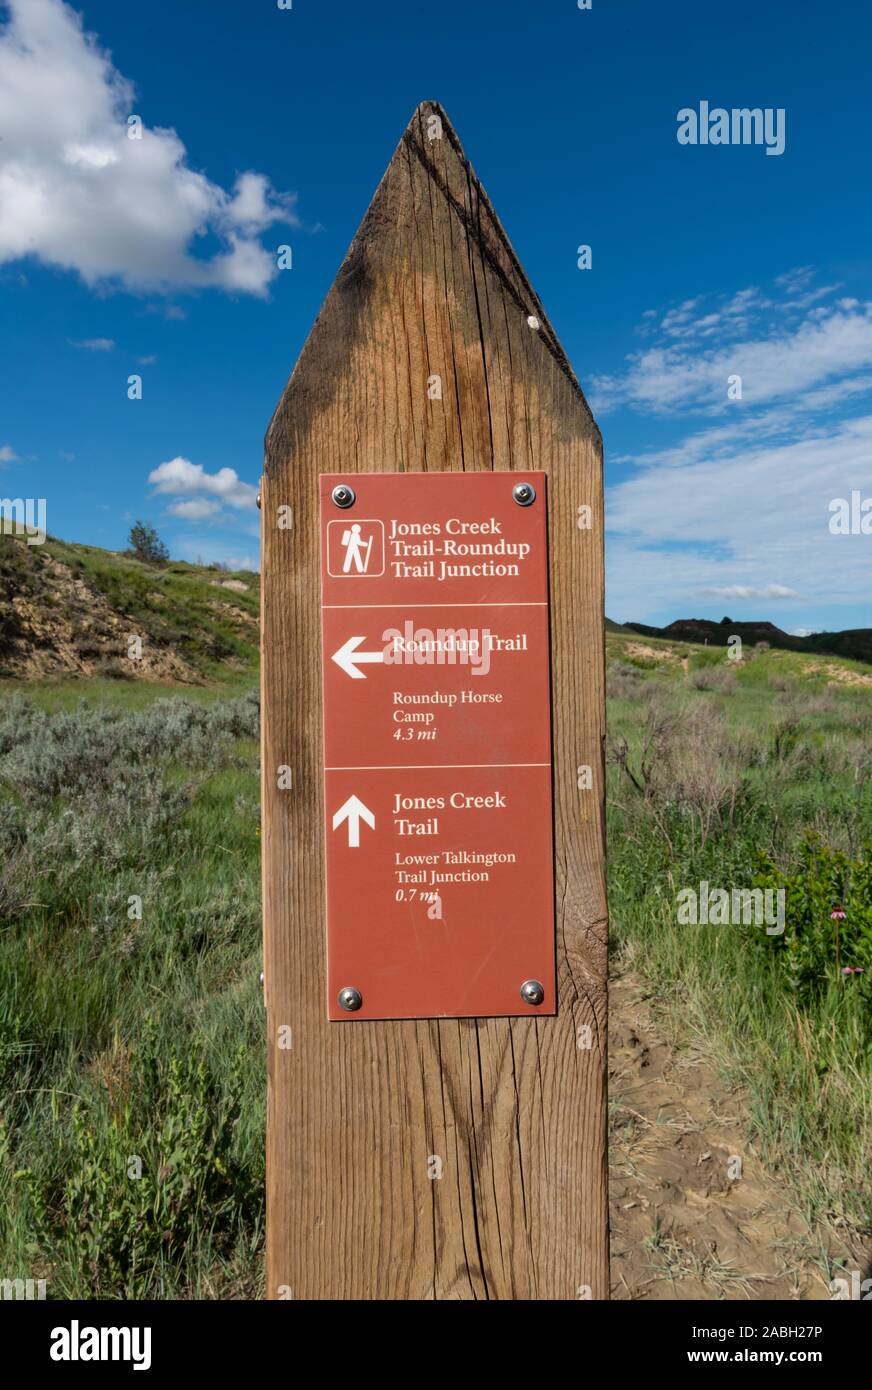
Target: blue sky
(265,127)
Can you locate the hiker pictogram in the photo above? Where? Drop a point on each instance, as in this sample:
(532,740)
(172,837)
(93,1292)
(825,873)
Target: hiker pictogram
(356,549)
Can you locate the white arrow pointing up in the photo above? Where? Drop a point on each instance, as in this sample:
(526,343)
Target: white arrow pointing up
(348,656)
(354,812)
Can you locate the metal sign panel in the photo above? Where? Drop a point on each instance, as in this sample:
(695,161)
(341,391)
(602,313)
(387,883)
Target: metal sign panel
(437,745)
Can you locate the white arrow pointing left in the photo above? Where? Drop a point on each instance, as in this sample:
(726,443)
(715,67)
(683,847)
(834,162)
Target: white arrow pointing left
(354,812)
(348,657)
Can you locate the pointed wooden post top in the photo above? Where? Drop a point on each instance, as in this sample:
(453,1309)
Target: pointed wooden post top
(430,247)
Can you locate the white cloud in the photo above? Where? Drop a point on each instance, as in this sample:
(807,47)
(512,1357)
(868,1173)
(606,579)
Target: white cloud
(777,356)
(77,193)
(179,477)
(796,279)
(743,591)
(680,529)
(195,509)
(90,156)
(251,209)
(791,420)
(94,344)
(725,501)
(7,454)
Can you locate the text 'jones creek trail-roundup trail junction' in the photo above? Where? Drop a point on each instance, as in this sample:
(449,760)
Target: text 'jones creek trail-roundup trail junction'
(437,745)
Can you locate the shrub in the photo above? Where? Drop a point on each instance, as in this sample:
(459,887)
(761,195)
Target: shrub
(687,768)
(146,545)
(720,680)
(80,752)
(623,680)
(145,1177)
(828,918)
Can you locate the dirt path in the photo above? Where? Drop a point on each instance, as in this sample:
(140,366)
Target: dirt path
(682,1228)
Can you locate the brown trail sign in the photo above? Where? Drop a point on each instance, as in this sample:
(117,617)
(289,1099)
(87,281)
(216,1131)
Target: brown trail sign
(433,564)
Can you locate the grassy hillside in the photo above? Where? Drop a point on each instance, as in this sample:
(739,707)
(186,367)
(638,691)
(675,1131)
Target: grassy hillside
(767,668)
(854,643)
(72,610)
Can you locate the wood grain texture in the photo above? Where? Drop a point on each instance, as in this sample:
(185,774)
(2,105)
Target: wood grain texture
(515,1108)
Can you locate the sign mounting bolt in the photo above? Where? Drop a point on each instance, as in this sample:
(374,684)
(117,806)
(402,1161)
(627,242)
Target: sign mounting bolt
(532,992)
(524,494)
(344,496)
(351,999)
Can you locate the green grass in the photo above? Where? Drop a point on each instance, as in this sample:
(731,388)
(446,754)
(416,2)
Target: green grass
(126,1037)
(95,691)
(726,784)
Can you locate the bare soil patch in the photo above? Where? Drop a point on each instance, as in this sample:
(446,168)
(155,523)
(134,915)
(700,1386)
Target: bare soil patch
(681,1226)
(66,628)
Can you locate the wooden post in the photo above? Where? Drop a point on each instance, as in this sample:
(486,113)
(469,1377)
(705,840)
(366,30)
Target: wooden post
(515,1108)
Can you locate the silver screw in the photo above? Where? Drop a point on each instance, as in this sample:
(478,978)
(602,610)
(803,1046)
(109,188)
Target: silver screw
(257,500)
(351,999)
(344,496)
(524,494)
(532,992)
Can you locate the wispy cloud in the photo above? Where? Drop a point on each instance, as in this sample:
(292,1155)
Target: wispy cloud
(748,591)
(780,344)
(7,454)
(737,507)
(93,344)
(172,312)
